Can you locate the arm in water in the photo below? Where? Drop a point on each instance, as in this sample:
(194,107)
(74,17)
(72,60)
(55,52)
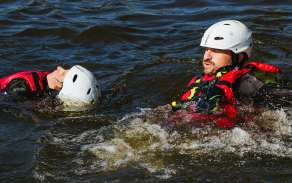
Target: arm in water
(265,88)
(17,90)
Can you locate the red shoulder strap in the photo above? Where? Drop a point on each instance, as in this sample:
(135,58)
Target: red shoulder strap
(263,67)
(231,76)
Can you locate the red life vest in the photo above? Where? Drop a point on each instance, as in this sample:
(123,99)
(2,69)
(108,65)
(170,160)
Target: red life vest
(229,112)
(34,78)
(229,78)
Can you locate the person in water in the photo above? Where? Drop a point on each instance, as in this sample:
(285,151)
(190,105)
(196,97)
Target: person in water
(77,85)
(227,77)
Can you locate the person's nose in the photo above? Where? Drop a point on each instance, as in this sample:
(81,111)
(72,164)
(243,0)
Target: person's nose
(208,55)
(60,69)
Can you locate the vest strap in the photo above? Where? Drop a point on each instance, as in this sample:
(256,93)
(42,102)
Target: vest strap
(36,81)
(226,83)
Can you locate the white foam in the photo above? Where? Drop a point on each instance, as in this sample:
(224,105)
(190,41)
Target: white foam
(167,173)
(240,137)
(278,121)
(138,140)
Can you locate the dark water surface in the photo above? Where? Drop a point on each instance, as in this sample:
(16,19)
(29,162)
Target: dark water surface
(143,53)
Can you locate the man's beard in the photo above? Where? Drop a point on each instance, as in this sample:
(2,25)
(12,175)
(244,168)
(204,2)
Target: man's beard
(209,73)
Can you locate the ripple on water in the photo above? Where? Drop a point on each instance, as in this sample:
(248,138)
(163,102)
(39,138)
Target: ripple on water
(142,53)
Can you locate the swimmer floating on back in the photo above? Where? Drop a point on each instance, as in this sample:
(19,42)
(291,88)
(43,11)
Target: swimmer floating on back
(75,86)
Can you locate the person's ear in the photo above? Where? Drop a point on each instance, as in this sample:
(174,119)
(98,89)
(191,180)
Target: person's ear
(240,58)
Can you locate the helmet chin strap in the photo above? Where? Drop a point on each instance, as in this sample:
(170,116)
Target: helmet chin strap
(235,59)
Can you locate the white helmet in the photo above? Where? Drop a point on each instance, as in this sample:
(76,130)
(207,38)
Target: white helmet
(228,35)
(80,87)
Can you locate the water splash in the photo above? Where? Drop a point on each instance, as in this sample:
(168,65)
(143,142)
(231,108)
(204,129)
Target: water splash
(139,141)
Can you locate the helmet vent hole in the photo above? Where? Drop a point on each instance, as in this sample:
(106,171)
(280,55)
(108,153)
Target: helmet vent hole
(97,86)
(92,101)
(226,24)
(250,45)
(74,78)
(218,38)
(89,90)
